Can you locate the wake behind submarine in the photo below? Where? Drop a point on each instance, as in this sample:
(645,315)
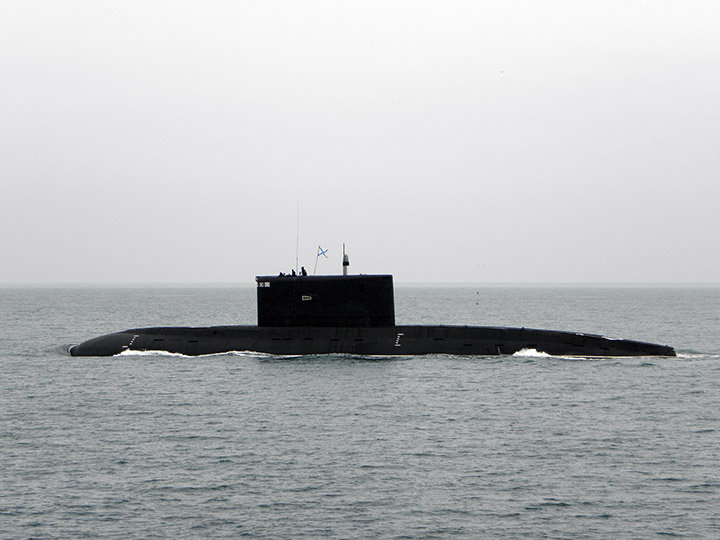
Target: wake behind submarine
(353,314)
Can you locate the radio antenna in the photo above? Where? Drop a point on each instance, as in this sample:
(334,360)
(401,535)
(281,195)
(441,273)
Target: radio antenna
(297,237)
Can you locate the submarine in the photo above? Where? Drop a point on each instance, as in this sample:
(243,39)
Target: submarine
(300,315)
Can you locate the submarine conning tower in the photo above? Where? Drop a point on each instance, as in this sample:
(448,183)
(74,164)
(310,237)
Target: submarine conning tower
(342,301)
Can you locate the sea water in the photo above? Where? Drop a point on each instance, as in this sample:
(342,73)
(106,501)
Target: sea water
(250,445)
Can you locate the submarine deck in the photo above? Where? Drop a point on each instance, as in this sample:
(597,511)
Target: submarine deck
(390,340)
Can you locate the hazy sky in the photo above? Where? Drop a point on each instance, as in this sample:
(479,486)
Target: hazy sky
(507,141)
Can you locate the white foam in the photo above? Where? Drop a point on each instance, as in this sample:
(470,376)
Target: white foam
(133,352)
(534,353)
(697,355)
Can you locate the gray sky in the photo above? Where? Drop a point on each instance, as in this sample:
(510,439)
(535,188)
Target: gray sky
(513,141)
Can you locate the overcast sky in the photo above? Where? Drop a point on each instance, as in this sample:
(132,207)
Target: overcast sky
(476,142)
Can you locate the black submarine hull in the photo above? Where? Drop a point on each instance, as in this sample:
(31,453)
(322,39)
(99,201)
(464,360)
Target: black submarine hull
(383,341)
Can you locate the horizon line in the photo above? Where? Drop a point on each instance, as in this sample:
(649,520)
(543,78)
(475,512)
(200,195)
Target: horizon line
(236,284)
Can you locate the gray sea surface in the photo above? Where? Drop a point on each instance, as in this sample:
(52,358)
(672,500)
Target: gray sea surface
(250,445)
